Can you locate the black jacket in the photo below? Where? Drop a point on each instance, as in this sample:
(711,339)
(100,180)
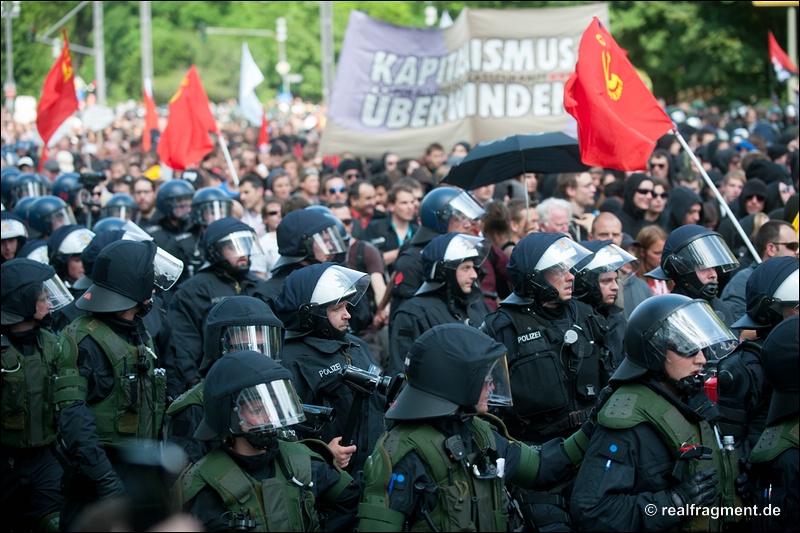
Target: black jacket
(408,270)
(632,217)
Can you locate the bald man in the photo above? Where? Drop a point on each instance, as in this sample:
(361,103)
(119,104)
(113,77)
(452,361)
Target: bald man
(606,226)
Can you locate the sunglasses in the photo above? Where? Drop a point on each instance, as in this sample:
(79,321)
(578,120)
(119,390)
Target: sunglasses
(273,213)
(793,246)
(658,165)
(646,191)
(758,197)
(662,195)
(334,190)
(786,189)
(347,221)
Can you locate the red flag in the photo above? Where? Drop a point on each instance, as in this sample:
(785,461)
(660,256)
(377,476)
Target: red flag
(619,119)
(263,134)
(150,117)
(784,68)
(58,101)
(185,140)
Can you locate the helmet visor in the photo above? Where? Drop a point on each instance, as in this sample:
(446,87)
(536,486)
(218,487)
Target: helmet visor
(54,290)
(120,211)
(238,244)
(611,258)
(329,241)
(209,212)
(463,205)
(463,247)
(708,251)
(788,292)
(60,217)
(499,384)
(267,406)
(263,339)
(691,328)
(30,189)
(338,283)
(13,228)
(561,255)
(168,268)
(76,242)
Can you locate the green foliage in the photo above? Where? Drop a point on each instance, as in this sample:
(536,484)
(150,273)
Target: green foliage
(712,49)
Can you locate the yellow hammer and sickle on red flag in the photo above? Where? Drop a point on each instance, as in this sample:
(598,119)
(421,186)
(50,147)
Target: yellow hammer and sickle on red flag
(613,82)
(66,67)
(184,83)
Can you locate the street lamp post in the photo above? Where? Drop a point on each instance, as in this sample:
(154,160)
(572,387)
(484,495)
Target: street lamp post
(283,66)
(9,10)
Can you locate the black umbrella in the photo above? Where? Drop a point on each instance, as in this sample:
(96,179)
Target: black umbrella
(498,160)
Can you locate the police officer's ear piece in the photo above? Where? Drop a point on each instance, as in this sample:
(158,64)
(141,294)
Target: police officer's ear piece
(529,284)
(306,318)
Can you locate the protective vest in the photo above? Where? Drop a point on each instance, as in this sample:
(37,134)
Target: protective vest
(554,382)
(775,440)
(742,391)
(282,503)
(193,396)
(135,407)
(633,404)
(463,503)
(28,388)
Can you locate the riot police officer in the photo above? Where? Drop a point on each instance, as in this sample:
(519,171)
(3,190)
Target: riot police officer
(442,210)
(305,237)
(598,279)
(556,344)
(210,204)
(228,244)
(654,448)
(776,457)
(113,389)
(236,323)
(278,485)
(441,466)
(695,258)
(31,475)
(14,235)
(120,205)
(174,232)
(64,249)
(450,293)
(314,308)
(772,294)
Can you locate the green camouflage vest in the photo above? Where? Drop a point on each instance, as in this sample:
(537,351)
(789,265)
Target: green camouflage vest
(775,440)
(28,418)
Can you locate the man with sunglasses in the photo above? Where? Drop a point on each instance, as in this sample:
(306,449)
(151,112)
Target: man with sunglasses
(333,190)
(637,195)
(658,164)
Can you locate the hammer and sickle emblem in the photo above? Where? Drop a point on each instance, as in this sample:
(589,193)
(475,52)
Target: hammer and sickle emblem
(184,83)
(613,82)
(66,67)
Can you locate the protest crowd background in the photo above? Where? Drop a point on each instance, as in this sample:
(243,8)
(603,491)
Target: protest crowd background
(411,255)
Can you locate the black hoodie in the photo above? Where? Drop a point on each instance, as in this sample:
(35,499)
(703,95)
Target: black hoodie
(681,200)
(632,217)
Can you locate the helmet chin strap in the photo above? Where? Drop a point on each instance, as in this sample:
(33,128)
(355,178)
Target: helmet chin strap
(261,440)
(696,289)
(685,387)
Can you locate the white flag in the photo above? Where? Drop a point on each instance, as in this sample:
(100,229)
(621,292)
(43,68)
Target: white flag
(249,79)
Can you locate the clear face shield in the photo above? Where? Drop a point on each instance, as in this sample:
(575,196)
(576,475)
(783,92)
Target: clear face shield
(60,217)
(463,206)
(76,242)
(336,284)
(689,329)
(238,244)
(612,258)
(328,242)
(181,207)
(30,189)
(262,339)
(708,251)
(561,256)
(208,212)
(499,384)
(168,268)
(463,247)
(56,293)
(120,211)
(267,407)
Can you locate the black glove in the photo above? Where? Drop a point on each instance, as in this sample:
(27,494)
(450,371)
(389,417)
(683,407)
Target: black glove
(109,486)
(700,489)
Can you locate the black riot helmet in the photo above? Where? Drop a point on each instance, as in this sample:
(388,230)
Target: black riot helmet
(48,213)
(772,286)
(606,258)
(308,292)
(246,394)
(30,185)
(174,199)
(68,187)
(671,322)
(24,282)
(240,323)
(689,249)
(228,238)
(346,236)
(108,224)
(468,358)
(443,203)
(210,204)
(780,362)
(120,205)
(303,234)
(533,257)
(442,256)
(90,253)
(122,278)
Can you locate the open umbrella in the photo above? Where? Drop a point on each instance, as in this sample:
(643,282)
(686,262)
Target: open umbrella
(498,160)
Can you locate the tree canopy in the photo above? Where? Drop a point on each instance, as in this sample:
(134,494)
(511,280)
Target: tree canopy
(716,51)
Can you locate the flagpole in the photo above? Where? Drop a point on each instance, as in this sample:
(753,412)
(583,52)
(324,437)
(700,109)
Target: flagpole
(225,151)
(721,200)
